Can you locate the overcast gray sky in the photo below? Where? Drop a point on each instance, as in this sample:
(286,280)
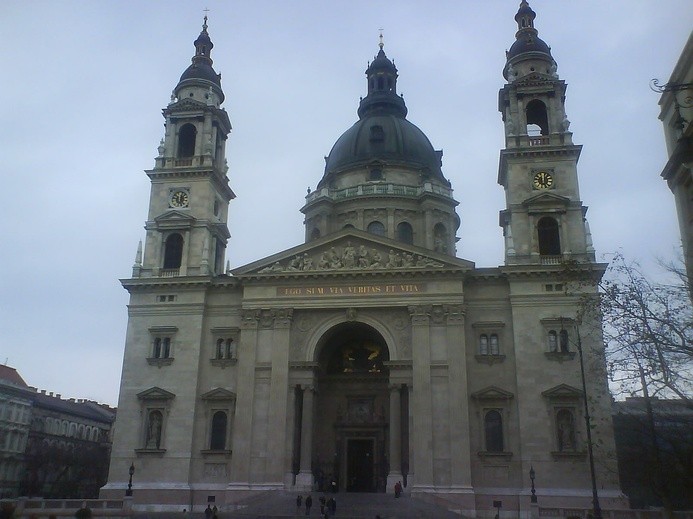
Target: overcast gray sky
(84,83)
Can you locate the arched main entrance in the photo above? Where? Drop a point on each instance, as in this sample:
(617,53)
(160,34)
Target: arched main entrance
(352,409)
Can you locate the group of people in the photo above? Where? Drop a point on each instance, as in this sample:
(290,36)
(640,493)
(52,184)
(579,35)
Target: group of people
(398,489)
(211,513)
(328,507)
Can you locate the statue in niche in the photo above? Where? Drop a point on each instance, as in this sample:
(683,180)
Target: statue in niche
(154,430)
(566,431)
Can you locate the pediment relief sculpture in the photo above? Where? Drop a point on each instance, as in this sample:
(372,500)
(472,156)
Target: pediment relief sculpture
(351,257)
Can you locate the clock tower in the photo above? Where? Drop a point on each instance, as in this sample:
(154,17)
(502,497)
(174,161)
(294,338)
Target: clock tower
(544,220)
(186,226)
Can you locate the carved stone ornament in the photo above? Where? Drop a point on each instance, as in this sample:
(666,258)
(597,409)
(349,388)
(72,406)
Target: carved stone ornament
(351,258)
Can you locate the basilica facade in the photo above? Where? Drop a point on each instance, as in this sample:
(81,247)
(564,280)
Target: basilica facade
(371,353)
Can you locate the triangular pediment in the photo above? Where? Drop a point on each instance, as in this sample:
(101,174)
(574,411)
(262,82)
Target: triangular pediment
(218,394)
(562,392)
(174,219)
(492,393)
(533,78)
(187,103)
(546,199)
(155,393)
(351,251)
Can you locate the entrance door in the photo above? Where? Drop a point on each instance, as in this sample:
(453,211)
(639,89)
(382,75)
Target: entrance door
(360,465)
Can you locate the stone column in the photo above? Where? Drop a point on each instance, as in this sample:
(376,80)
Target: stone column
(422,434)
(305,475)
(395,473)
(279,386)
(245,400)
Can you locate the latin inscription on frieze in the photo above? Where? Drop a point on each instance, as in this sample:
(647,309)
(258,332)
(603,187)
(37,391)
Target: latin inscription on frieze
(352,290)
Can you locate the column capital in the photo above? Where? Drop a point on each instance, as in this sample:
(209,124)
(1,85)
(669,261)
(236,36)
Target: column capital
(250,319)
(420,314)
(394,387)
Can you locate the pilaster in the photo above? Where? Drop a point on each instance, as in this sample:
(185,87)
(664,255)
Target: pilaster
(460,459)
(240,461)
(422,413)
(395,473)
(279,392)
(305,475)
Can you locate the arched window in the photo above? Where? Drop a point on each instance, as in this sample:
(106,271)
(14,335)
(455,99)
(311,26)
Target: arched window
(376,228)
(483,344)
(553,340)
(315,234)
(173,251)
(186,141)
(381,83)
(537,121)
(565,428)
(217,440)
(493,345)
(405,233)
(440,238)
(549,239)
(493,431)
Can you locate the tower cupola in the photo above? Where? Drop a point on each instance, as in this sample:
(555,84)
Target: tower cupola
(382,95)
(200,72)
(529,53)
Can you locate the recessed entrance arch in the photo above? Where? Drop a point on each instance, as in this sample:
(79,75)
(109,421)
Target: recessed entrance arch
(351,422)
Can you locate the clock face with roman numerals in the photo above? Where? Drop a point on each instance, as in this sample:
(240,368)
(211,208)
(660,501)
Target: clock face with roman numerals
(542,180)
(179,198)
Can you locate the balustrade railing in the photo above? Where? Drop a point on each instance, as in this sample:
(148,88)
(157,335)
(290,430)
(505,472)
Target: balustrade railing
(379,189)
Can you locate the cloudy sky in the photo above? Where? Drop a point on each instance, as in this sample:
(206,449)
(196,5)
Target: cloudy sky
(84,83)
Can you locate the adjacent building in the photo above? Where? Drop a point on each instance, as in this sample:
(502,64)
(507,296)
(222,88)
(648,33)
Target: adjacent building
(50,446)
(676,114)
(370,353)
(15,419)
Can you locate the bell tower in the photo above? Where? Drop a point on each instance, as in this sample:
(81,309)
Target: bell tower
(544,219)
(188,205)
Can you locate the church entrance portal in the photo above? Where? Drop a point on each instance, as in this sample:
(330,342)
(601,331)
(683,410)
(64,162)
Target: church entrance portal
(359,458)
(351,414)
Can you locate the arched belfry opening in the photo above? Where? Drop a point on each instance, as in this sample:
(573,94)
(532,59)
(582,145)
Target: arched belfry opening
(537,119)
(351,413)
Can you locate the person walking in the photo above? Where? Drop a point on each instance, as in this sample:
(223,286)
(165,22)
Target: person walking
(299,502)
(309,503)
(208,512)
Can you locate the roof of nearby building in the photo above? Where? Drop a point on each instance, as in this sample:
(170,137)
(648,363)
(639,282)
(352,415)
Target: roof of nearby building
(10,375)
(83,408)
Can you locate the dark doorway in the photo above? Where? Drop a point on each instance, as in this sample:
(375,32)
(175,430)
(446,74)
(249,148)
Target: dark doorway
(360,465)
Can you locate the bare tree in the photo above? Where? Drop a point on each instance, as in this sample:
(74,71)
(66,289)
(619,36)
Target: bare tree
(648,329)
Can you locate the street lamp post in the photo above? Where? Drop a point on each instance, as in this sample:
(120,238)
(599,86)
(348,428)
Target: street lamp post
(533,499)
(131,471)
(597,511)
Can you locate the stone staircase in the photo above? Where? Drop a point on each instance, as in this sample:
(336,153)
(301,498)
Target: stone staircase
(276,505)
